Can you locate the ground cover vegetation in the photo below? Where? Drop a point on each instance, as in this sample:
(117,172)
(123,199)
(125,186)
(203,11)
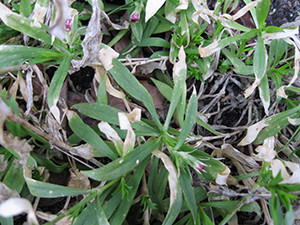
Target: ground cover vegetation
(148,112)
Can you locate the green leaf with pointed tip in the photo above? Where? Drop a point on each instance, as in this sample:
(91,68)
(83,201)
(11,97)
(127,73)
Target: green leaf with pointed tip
(92,214)
(131,85)
(188,193)
(262,10)
(56,85)
(191,114)
(174,210)
(12,55)
(121,166)
(87,134)
(47,190)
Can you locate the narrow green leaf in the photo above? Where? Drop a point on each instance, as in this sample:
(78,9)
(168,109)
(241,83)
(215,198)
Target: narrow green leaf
(27,26)
(121,166)
(264,93)
(191,114)
(99,111)
(47,190)
(153,41)
(239,65)
(133,181)
(174,210)
(276,123)
(262,10)
(206,126)
(87,134)
(14,177)
(12,55)
(93,214)
(188,193)
(102,95)
(131,85)
(259,59)
(163,88)
(206,220)
(25,8)
(56,85)
(179,76)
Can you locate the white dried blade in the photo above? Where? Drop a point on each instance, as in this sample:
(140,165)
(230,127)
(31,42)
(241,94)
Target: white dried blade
(222,177)
(252,133)
(16,206)
(109,132)
(172,177)
(85,151)
(124,121)
(112,91)
(29,91)
(9,141)
(38,14)
(244,10)
(180,67)
(78,180)
(294,121)
(183,5)
(200,8)
(209,49)
(152,7)
(266,151)
(92,40)
(5,12)
(106,56)
(7,193)
(63,13)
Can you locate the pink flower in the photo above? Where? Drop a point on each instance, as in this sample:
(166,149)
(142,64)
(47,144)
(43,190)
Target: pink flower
(200,166)
(68,24)
(134,17)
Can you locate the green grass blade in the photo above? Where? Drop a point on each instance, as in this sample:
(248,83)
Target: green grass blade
(87,134)
(56,85)
(133,181)
(188,193)
(12,55)
(131,85)
(121,166)
(92,214)
(191,114)
(99,111)
(47,190)
(27,26)
(174,210)
(179,76)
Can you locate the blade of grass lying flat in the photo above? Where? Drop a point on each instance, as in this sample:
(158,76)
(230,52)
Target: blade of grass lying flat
(163,88)
(103,112)
(191,114)
(99,111)
(121,166)
(276,123)
(131,85)
(87,134)
(47,190)
(12,55)
(27,26)
(153,41)
(264,93)
(56,86)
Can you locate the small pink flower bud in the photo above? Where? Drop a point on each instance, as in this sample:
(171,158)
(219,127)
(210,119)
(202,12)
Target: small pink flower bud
(134,17)
(200,167)
(68,24)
